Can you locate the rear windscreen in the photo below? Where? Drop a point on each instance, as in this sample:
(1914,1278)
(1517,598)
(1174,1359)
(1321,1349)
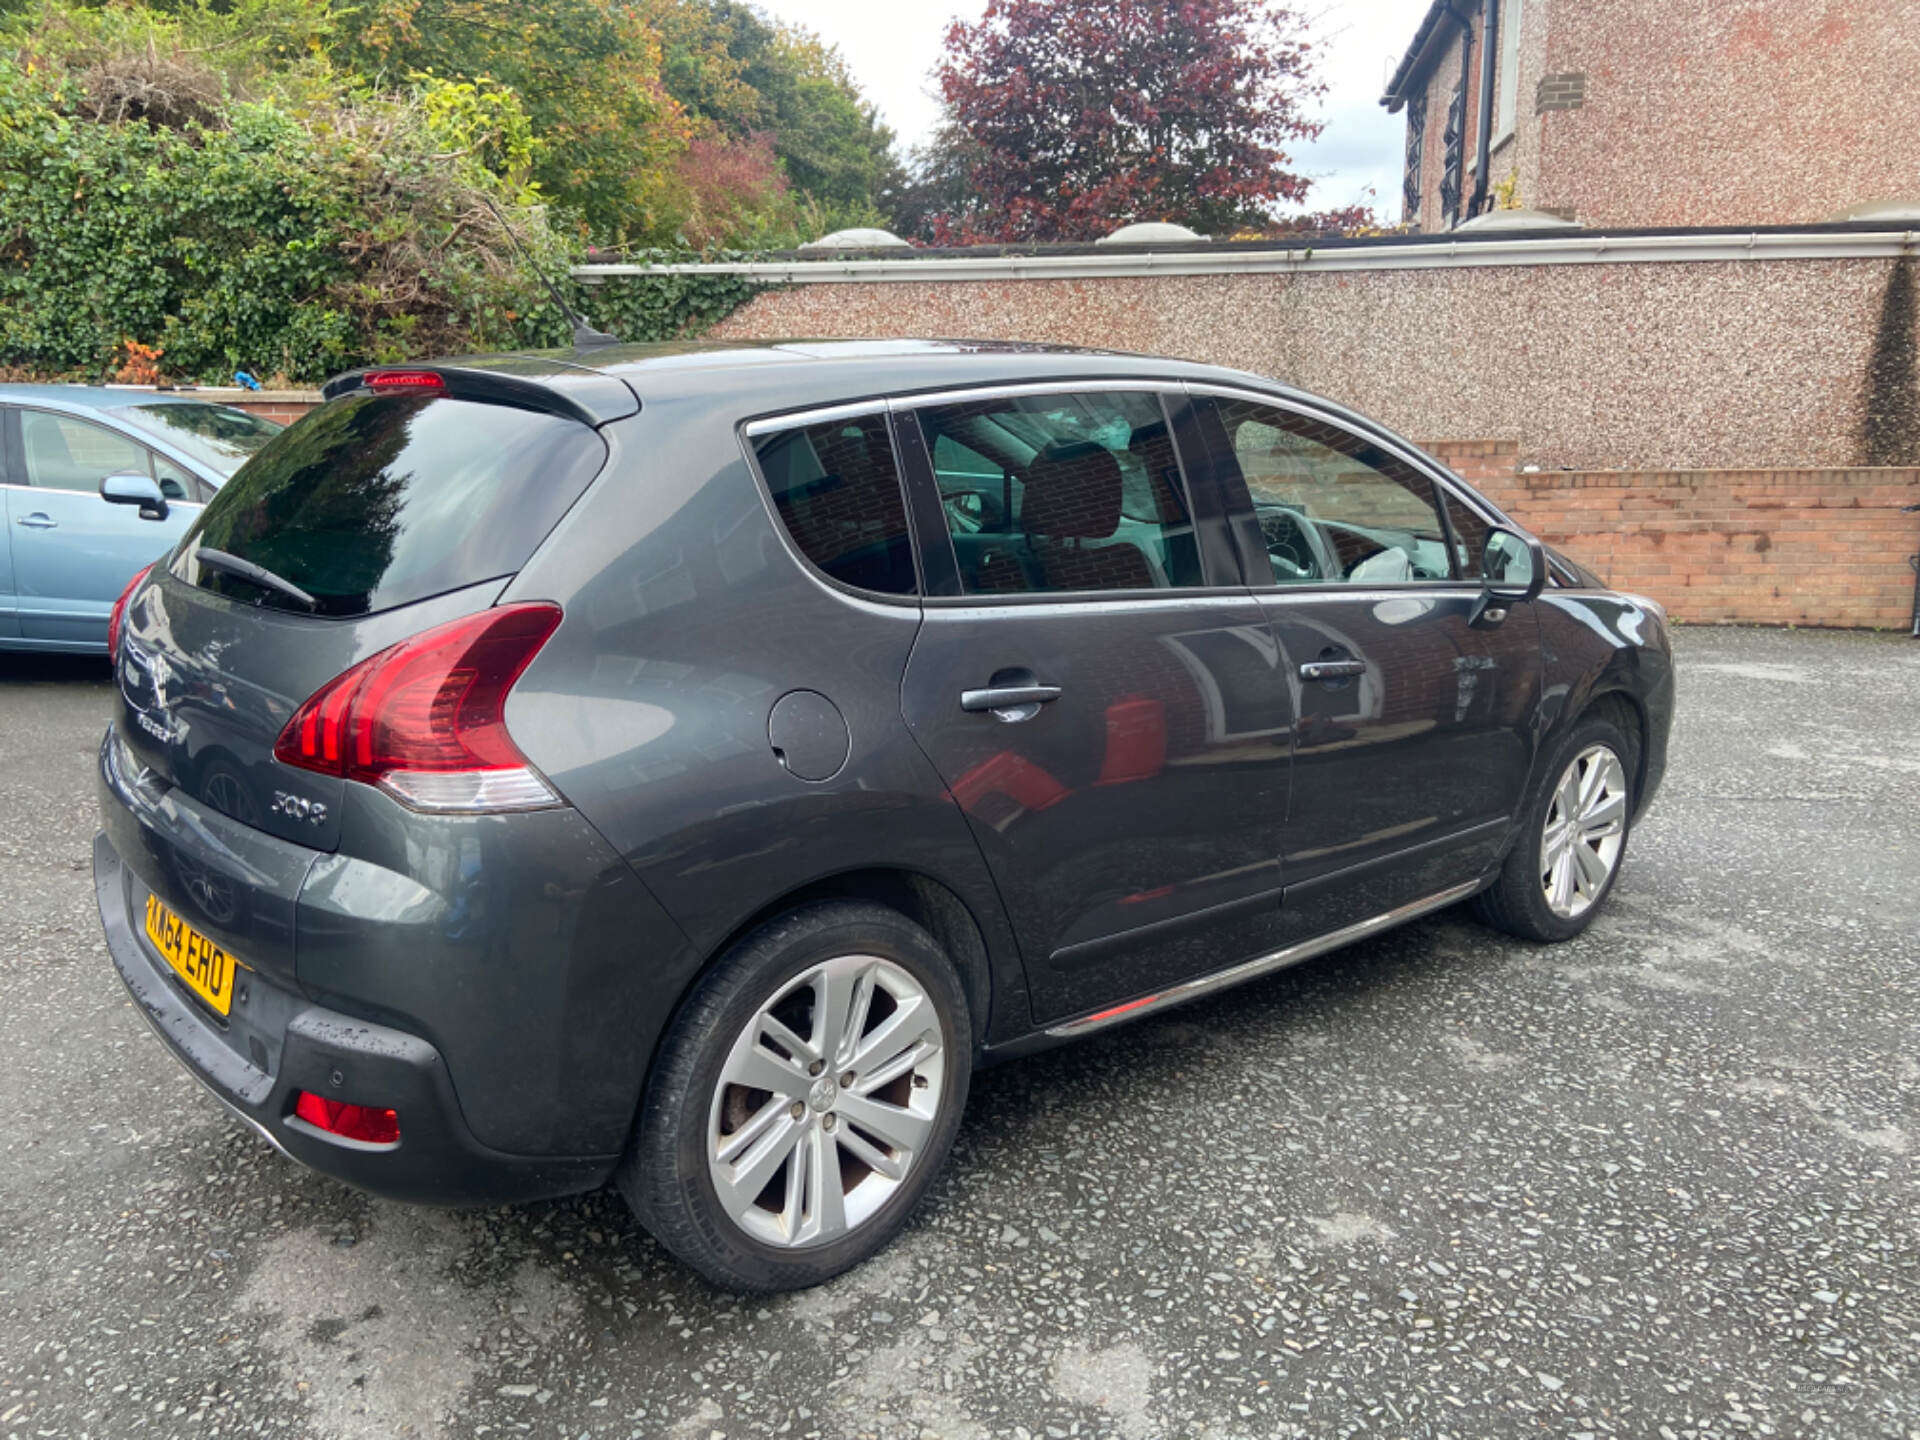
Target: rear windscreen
(374,501)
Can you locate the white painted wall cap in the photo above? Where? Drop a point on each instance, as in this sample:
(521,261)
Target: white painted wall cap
(1497,220)
(1905,209)
(1151,232)
(860,238)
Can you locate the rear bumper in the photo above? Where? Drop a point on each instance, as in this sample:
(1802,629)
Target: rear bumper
(338,1057)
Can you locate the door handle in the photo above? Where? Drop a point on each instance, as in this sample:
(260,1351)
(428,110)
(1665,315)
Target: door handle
(39,520)
(1332,669)
(1008,697)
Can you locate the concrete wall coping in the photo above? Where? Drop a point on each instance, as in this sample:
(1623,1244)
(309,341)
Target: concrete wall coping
(1438,254)
(230,394)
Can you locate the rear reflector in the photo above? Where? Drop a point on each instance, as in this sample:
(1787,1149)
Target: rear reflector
(349,1122)
(403,380)
(117,617)
(425,720)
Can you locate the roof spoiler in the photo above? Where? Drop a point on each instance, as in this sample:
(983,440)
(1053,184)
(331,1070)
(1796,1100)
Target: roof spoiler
(553,387)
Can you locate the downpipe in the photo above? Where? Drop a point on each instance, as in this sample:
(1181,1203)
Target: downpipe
(1913,562)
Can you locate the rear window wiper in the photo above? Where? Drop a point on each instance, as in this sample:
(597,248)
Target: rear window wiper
(254,574)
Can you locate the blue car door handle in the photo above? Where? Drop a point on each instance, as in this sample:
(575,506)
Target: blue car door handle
(39,520)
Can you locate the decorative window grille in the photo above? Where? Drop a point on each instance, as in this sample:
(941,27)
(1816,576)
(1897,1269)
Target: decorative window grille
(1456,141)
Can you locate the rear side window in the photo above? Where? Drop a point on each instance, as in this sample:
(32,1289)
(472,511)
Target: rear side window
(837,489)
(375,501)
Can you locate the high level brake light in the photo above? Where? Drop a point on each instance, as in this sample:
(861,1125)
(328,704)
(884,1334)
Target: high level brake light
(425,720)
(403,380)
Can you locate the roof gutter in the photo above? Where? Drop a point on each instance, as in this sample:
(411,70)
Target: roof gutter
(1414,63)
(1595,248)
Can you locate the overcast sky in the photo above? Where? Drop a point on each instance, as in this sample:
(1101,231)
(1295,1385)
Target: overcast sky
(891,45)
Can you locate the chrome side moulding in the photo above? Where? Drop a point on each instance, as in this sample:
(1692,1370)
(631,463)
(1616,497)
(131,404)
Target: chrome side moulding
(1260,965)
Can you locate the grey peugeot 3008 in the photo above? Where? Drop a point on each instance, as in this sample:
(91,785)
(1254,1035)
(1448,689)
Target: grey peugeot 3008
(684,764)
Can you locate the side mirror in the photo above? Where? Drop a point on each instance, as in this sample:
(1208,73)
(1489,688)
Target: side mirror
(1513,567)
(135,489)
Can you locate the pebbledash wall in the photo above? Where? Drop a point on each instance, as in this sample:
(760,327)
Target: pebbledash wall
(1692,413)
(1674,112)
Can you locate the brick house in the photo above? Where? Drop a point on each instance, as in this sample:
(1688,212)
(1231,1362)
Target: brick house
(1645,113)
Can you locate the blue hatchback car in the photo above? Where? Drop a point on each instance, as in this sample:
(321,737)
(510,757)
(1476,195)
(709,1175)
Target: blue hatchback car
(70,546)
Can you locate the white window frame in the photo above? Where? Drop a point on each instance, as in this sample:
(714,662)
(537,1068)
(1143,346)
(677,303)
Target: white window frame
(1507,88)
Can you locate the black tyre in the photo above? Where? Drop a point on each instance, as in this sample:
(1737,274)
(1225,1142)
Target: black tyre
(1572,841)
(803,1099)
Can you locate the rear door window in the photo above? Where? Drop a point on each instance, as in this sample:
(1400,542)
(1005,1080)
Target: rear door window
(218,436)
(1063,492)
(837,488)
(374,501)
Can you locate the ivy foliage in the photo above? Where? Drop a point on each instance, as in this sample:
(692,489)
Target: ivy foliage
(667,306)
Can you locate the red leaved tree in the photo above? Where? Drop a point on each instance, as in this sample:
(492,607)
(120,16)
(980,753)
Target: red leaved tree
(1069,117)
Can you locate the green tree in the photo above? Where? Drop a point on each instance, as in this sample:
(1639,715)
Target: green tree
(726,63)
(587,72)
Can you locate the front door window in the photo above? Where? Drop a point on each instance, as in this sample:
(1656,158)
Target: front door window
(63,453)
(1332,506)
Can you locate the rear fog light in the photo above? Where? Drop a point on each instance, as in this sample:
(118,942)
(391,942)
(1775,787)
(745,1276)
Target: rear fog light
(349,1122)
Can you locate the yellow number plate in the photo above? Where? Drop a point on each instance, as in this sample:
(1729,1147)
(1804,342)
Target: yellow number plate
(207,969)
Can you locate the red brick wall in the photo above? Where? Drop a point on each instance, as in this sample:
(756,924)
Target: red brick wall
(1768,547)
(285,406)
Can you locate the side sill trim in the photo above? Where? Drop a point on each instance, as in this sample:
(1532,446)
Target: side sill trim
(1260,965)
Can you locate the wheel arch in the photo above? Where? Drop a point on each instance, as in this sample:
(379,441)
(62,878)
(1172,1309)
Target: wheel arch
(1622,709)
(926,900)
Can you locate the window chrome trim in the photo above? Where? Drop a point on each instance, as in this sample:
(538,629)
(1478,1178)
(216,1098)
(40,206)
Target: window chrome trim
(1186,594)
(818,415)
(1014,390)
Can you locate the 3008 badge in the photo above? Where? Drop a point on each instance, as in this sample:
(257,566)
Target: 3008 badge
(298,807)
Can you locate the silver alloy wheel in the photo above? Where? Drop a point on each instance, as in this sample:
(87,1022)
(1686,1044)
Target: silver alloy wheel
(826,1101)
(1586,826)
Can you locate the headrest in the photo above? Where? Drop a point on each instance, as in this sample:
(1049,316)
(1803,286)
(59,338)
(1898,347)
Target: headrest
(1072,493)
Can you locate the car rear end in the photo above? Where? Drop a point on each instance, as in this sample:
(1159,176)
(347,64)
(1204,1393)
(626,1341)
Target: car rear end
(327,873)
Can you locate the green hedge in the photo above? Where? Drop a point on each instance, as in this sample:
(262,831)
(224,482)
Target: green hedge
(277,245)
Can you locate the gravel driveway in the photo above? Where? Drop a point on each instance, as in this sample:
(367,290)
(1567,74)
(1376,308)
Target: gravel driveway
(1659,1182)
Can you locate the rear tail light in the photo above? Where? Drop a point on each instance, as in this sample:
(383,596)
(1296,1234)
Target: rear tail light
(350,1122)
(403,380)
(425,720)
(117,617)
